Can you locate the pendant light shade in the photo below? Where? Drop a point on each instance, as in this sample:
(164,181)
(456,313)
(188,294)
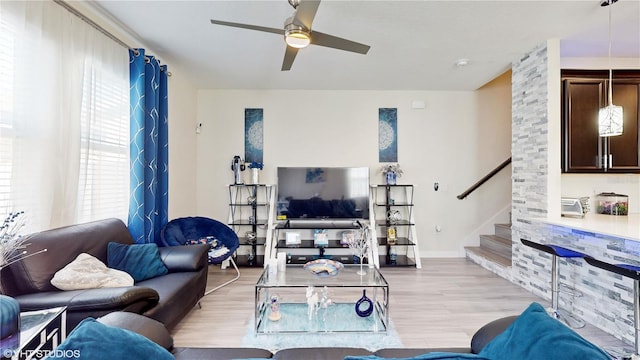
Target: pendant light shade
(610,118)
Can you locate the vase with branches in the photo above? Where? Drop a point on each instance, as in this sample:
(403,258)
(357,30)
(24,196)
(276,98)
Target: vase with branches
(391,172)
(359,244)
(12,244)
(12,249)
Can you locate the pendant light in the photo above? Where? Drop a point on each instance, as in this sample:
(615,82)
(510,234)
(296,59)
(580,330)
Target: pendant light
(610,119)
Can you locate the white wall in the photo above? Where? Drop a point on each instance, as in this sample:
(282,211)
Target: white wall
(454,141)
(599,63)
(182,145)
(494,112)
(578,185)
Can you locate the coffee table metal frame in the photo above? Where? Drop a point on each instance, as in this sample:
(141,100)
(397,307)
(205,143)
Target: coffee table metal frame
(296,279)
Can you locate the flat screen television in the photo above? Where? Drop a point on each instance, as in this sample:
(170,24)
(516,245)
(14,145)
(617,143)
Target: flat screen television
(323,193)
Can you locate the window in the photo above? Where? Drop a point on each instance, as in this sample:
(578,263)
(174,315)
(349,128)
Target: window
(64,117)
(6,120)
(104,154)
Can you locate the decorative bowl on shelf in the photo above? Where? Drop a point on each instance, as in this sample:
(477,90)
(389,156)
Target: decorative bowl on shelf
(324,267)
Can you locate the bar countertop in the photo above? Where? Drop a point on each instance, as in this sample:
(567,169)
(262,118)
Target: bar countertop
(627,227)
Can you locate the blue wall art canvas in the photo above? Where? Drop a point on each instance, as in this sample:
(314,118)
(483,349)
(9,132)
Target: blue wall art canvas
(388,134)
(253,135)
(316,175)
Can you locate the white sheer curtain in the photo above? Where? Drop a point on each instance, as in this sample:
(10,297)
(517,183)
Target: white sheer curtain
(64,110)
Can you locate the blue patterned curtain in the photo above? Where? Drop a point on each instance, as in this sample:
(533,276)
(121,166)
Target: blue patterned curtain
(148,201)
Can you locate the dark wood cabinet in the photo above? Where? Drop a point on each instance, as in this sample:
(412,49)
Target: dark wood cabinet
(582,145)
(583,150)
(624,148)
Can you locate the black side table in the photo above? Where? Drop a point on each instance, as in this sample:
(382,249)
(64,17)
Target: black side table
(40,333)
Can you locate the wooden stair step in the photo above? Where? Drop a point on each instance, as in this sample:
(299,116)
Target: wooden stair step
(497,245)
(489,255)
(503,230)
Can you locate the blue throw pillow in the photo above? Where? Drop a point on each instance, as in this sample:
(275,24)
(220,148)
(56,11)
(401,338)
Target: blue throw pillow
(428,356)
(141,261)
(93,340)
(536,335)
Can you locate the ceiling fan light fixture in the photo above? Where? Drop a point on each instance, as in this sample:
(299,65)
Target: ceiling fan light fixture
(297,36)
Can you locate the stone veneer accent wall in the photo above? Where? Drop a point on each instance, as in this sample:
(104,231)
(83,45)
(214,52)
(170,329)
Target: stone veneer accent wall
(607,298)
(529,167)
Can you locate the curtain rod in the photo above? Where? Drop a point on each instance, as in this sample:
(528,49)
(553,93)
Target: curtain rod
(92,23)
(98,27)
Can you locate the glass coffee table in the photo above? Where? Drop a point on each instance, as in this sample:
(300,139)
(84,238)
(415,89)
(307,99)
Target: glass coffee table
(339,315)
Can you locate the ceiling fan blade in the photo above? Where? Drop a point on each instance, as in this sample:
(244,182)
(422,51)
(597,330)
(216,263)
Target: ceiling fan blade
(289,56)
(305,12)
(250,27)
(322,39)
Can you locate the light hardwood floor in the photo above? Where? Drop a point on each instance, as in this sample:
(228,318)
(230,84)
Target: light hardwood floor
(440,305)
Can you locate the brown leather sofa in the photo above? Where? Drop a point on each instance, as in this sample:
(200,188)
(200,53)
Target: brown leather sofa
(167,298)
(158,334)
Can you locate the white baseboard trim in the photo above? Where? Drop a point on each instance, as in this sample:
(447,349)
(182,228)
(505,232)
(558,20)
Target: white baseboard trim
(442,254)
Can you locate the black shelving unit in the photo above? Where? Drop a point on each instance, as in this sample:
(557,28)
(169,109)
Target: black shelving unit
(307,249)
(249,209)
(395,251)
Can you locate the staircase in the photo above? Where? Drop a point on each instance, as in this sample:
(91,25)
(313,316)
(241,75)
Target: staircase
(494,252)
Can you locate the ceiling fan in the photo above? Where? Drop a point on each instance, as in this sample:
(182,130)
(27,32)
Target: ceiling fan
(298,34)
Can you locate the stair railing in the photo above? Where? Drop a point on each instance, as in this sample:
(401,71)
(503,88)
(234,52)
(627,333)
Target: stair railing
(484,179)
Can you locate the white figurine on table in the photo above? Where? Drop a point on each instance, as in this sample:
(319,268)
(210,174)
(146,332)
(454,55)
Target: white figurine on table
(312,301)
(325,302)
(275,314)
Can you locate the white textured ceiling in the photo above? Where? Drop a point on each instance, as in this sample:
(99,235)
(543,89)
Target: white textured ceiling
(414,44)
